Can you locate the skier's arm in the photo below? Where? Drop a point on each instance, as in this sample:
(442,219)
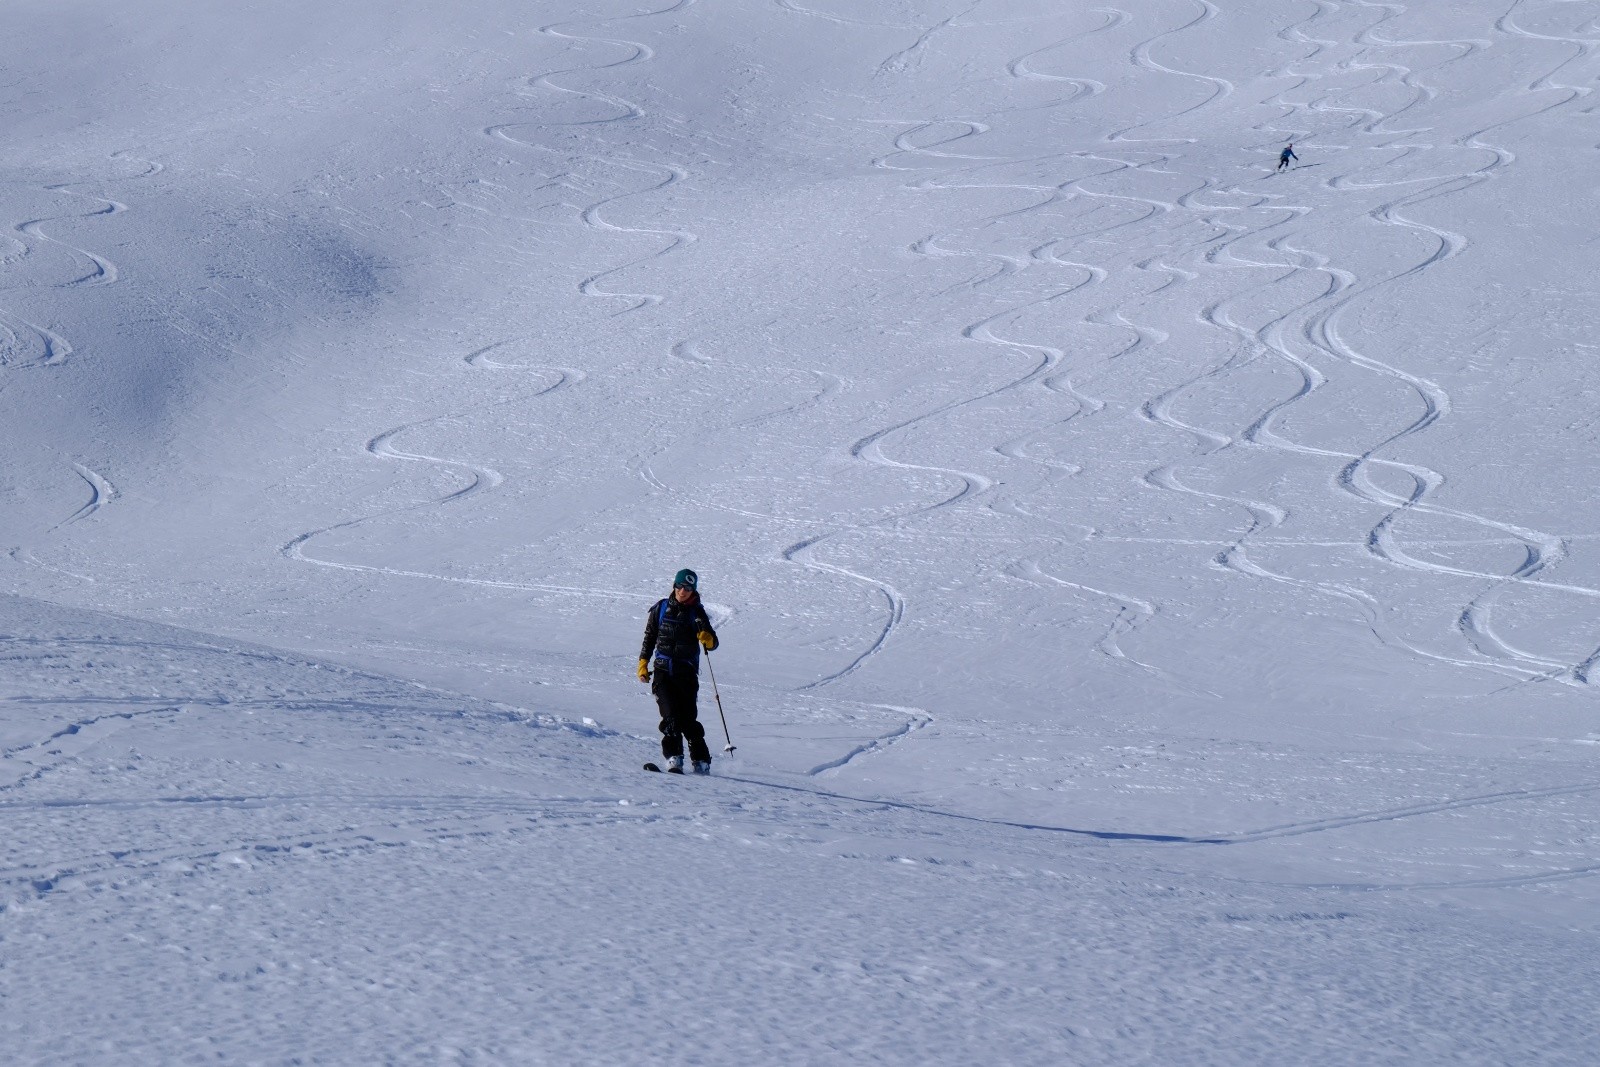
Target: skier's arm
(652,624)
(707,636)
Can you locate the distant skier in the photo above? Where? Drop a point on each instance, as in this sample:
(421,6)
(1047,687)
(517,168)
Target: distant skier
(1286,155)
(674,632)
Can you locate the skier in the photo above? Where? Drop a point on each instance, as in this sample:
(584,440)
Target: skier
(1286,155)
(674,632)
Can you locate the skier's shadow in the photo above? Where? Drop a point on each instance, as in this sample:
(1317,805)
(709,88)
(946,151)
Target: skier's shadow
(1297,166)
(1097,835)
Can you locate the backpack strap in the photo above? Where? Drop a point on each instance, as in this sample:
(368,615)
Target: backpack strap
(663,661)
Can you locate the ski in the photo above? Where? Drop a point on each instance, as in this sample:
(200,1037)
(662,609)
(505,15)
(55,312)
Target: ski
(657,770)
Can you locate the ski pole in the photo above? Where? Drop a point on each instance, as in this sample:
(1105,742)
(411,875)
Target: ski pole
(730,746)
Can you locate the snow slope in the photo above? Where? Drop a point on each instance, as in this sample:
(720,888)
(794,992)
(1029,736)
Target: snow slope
(1158,600)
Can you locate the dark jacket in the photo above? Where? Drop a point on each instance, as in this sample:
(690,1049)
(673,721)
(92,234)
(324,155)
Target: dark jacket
(670,634)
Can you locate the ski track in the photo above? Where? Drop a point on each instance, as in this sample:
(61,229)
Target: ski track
(1583,48)
(25,647)
(1265,515)
(917,720)
(1319,331)
(53,349)
(1318,324)
(1270,339)
(1299,339)
(665,174)
(1140,57)
(28,237)
(1215,254)
(1041,360)
(1132,612)
(99,270)
(28,345)
(408,820)
(477,818)
(675,239)
(1083,87)
(843,20)
(101,493)
(437,818)
(1044,360)
(434,819)
(1542,551)
(64,745)
(641,464)
(868,449)
(479,479)
(637,52)
(911,56)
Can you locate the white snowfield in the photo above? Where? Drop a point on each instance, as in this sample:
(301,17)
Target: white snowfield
(1159,595)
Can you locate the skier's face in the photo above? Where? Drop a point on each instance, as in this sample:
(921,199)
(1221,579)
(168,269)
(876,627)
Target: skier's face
(682,593)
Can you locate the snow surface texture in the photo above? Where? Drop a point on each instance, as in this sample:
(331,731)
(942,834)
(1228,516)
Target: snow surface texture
(1160,612)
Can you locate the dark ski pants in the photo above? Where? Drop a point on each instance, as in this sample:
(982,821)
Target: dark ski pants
(675,693)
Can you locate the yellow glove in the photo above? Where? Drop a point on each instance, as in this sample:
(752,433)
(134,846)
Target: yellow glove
(708,640)
(644,669)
